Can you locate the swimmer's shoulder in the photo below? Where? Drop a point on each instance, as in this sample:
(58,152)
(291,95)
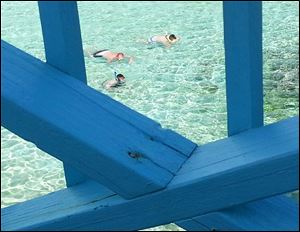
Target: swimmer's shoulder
(109,84)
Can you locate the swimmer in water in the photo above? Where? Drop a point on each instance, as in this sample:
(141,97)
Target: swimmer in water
(118,81)
(112,56)
(167,40)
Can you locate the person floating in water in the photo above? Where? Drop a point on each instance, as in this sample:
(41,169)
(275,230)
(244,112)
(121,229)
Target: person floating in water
(118,81)
(112,56)
(168,40)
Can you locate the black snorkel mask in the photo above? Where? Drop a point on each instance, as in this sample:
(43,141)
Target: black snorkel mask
(120,82)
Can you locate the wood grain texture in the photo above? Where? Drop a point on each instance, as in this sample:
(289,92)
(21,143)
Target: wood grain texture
(243,60)
(69,124)
(252,165)
(278,213)
(149,127)
(63,50)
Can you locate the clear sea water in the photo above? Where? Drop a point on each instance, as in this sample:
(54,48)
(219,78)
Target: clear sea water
(182,87)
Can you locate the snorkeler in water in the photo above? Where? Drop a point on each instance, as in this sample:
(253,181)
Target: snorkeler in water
(112,56)
(118,81)
(167,40)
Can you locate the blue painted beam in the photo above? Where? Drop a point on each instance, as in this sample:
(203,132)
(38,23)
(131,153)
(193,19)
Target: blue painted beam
(62,37)
(249,166)
(63,50)
(62,116)
(278,213)
(243,60)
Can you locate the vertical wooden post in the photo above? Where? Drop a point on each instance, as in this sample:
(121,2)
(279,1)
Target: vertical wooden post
(243,59)
(63,50)
(244,91)
(243,63)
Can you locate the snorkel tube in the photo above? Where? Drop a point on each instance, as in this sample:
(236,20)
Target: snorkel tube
(117,79)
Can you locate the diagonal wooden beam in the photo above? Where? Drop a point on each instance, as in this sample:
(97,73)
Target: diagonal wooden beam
(105,140)
(249,166)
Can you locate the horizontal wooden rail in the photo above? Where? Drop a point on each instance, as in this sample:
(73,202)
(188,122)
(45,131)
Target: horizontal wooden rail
(252,165)
(105,140)
(279,213)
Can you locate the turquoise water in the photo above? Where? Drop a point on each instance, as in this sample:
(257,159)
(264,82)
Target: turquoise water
(182,87)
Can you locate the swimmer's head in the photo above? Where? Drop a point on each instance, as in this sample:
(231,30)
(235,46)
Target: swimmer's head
(172,38)
(120,56)
(120,77)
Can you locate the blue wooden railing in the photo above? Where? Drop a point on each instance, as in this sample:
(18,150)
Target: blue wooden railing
(156,176)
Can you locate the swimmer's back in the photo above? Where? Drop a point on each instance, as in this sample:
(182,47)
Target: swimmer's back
(110,84)
(100,53)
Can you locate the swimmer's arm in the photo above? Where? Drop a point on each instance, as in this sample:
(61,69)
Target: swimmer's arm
(130,59)
(111,84)
(110,60)
(167,45)
(142,41)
